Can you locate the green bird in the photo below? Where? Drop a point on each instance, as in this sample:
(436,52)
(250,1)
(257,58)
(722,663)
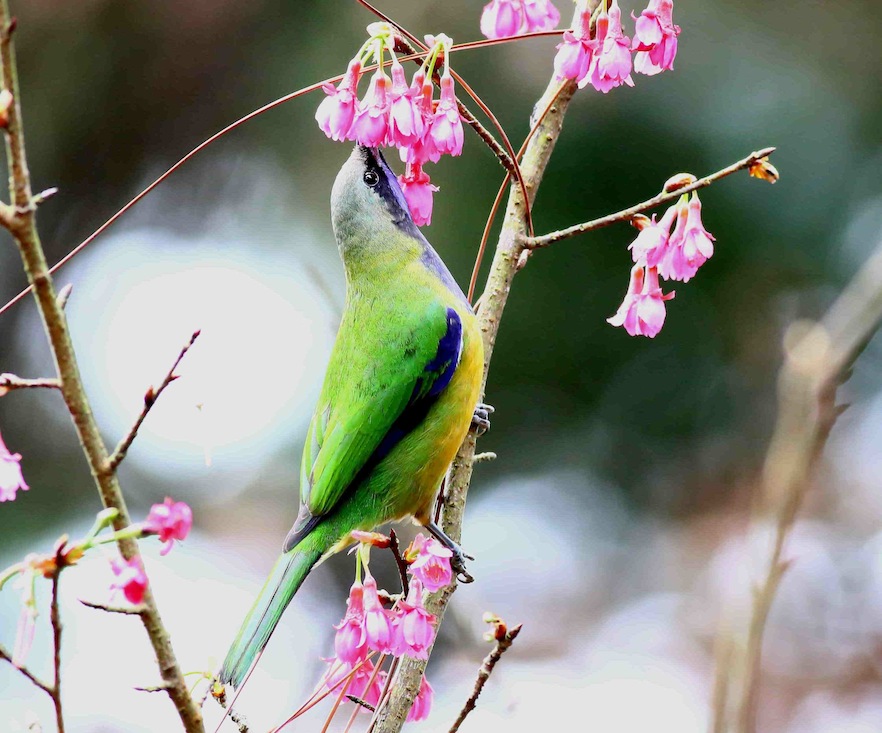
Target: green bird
(400,392)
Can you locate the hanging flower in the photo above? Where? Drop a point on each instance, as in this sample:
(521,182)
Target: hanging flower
(350,641)
(11,479)
(422,705)
(371,123)
(130,579)
(642,312)
(655,38)
(446,123)
(651,244)
(611,65)
(414,625)
(336,112)
(690,244)
(431,565)
(418,190)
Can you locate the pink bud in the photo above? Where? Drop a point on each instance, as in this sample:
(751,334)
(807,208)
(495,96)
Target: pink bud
(11,479)
(171,520)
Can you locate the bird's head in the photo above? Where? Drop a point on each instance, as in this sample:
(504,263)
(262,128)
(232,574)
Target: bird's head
(367,202)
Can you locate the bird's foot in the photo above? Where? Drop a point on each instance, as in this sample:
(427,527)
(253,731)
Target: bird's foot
(481,418)
(458,560)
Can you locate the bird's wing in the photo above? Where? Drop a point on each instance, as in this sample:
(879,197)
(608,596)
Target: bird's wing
(375,403)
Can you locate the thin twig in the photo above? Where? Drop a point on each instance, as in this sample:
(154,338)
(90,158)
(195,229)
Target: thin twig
(152,688)
(489,663)
(150,398)
(817,357)
(126,611)
(36,681)
(19,218)
(55,620)
(362,703)
(662,198)
(395,547)
(9,382)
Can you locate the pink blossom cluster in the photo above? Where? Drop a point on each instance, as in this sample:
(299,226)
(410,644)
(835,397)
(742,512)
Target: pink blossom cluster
(406,628)
(605,60)
(394,113)
(170,521)
(11,479)
(659,252)
(503,18)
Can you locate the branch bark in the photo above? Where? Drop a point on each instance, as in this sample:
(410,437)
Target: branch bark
(662,198)
(20,219)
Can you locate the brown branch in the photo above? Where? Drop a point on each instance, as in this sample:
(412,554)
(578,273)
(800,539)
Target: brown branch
(817,356)
(36,681)
(400,562)
(503,643)
(55,619)
(662,198)
(9,382)
(150,397)
(22,225)
(127,611)
(502,271)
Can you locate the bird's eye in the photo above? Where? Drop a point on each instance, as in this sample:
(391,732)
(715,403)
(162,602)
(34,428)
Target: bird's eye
(371,178)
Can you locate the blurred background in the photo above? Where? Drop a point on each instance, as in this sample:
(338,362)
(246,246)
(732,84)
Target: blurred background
(612,523)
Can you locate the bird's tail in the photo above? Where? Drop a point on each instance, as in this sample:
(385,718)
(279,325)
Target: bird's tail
(286,577)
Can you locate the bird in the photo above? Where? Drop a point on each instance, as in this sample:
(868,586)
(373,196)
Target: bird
(400,393)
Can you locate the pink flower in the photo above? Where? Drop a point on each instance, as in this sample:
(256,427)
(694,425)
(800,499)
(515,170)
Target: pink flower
(406,125)
(336,112)
(642,312)
(446,124)
(611,65)
(423,149)
(502,18)
(171,520)
(432,564)
(540,15)
(371,124)
(651,244)
(130,579)
(11,479)
(418,190)
(350,642)
(574,54)
(690,244)
(364,683)
(414,629)
(655,38)
(422,705)
(377,620)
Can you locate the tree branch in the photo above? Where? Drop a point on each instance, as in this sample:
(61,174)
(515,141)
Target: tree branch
(55,618)
(662,198)
(36,681)
(10,382)
(817,356)
(504,641)
(22,226)
(150,397)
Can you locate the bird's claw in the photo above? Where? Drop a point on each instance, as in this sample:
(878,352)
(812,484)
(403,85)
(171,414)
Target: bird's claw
(458,565)
(481,418)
